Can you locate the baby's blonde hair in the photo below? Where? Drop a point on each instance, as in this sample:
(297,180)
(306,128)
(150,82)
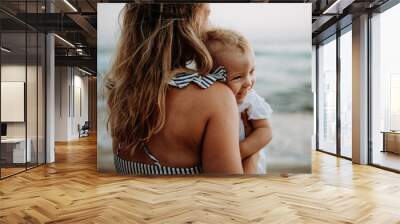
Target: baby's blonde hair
(218,38)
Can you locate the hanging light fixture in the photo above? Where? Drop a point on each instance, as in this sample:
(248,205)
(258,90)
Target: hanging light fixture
(65,41)
(5,50)
(70,5)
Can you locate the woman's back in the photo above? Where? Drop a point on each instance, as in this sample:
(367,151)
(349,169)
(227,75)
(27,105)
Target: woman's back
(185,124)
(188,112)
(155,127)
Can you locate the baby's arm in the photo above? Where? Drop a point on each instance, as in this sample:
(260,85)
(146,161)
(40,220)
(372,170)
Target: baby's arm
(258,138)
(250,164)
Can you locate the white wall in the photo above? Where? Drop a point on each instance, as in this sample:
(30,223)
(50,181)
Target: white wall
(13,101)
(61,103)
(79,105)
(13,73)
(70,83)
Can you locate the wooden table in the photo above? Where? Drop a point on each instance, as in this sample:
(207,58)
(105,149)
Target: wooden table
(391,141)
(13,150)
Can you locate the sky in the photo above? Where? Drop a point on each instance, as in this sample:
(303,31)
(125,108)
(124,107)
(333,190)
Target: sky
(265,21)
(262,22)
(108,28)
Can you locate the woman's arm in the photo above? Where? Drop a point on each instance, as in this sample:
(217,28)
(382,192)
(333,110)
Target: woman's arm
(258,138)
(221,152)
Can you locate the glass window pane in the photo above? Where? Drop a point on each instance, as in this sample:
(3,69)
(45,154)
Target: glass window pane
(346,94)
(14,153)
(327,97)
(41,98)
(386,89)
(32,85)
(23,87)
(31,97)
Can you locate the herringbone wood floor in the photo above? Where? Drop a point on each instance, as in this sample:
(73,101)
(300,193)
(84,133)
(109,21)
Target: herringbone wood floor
(71,191)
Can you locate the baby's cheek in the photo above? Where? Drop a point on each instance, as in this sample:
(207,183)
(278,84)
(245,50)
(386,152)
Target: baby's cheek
(232,87)
(253,82)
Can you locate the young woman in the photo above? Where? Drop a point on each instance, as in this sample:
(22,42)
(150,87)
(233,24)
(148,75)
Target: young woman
(165,118)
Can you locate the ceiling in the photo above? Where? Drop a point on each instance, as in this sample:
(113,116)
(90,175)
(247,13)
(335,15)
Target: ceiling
(76,22)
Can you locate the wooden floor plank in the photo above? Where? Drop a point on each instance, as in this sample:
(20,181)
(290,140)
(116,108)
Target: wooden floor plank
(72,191)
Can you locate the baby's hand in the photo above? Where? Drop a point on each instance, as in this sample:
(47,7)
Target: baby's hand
(248,127)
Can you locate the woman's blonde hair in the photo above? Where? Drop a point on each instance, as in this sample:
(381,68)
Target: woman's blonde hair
(157,41)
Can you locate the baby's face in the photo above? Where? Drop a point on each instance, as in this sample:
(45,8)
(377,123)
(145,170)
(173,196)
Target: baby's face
(240,69)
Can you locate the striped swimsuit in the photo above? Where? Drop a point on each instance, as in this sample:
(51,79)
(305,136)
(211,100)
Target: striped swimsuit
(127,167)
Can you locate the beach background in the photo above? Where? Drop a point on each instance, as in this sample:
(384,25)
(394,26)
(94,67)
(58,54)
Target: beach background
(281,38)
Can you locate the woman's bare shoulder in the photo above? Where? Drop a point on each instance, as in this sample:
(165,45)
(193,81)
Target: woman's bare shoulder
(219,89)
(215,99)
(215,93)
(216,96)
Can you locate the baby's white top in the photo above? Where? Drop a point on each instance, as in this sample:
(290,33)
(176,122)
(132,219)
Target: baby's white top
(257,108)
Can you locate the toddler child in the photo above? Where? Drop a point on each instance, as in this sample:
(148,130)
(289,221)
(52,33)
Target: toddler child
(232,51)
